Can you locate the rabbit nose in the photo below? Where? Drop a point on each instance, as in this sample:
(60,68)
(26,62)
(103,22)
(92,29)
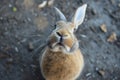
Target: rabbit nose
(61,37)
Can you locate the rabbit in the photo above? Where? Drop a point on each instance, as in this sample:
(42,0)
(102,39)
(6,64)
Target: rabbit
(62,58)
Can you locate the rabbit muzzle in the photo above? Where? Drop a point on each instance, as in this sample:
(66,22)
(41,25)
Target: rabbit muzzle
(57,43)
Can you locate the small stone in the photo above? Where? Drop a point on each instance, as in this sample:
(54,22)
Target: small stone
(24,40)
(16,49)
(33,66)
(30,46)
(96,68)
(112,37)
(10,5)
(1,18)
(84,36)
(88,74)
(22,70)
(113,1)
(43,4)
(92,60)
(103,28)
(115,78)
(119,5)
(29,19)
(101,72)
(50,2)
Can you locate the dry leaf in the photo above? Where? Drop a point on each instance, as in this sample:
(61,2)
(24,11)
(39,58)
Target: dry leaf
(112,37)
(43,4)
(101,72)
(103,28)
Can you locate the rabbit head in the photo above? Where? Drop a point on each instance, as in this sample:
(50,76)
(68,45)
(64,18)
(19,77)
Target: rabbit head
(62,39)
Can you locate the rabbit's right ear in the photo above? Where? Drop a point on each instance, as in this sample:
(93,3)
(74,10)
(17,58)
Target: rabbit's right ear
(60,14)
(79,15)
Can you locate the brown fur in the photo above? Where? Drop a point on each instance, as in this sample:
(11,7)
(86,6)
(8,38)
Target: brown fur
(60,66)
(62,58)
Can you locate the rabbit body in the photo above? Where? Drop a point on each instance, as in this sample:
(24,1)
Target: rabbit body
(61,66)
(62,58)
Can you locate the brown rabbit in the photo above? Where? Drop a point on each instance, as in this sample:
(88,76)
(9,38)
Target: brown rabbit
(62,58)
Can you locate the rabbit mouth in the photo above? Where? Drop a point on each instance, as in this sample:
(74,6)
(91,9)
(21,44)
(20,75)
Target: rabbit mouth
(60,47)
(60,44)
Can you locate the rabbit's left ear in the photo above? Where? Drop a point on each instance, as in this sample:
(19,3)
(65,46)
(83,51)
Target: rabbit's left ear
(60,14)
(79,15)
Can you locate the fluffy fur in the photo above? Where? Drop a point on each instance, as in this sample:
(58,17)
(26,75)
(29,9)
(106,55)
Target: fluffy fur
(62,58)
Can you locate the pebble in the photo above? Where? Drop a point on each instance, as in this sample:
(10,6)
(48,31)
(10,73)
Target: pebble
(88,74)
(29,19)
(84,36)
(24,40)
(115,78)
(1,18)
(30,46)
(22,70)
(10,5)
(113,1)
(96,69)
(119,5)
(16,49)
(33,66)
(115,65)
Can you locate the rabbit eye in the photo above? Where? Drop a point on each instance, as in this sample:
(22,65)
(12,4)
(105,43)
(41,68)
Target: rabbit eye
(75,29)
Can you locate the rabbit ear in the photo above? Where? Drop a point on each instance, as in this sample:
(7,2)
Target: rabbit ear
(79,15)
(61,15)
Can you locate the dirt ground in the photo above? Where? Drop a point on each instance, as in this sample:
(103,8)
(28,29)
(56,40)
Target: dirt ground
(24,27)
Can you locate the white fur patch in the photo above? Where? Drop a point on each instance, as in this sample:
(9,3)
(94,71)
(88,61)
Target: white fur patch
(59,48)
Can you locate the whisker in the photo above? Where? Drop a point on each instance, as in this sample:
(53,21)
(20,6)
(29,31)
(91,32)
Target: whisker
(41,48)
(36,35)
(33,36)
(36,41)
